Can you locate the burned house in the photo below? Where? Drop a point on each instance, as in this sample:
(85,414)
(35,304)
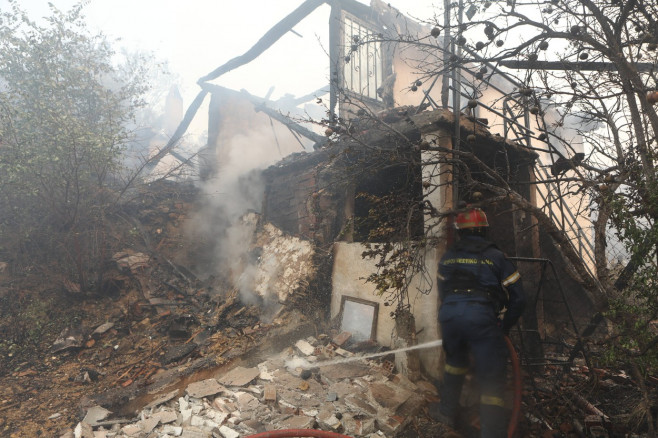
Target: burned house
(323,198)
(389,130)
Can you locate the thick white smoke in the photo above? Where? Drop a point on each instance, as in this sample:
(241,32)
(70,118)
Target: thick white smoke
(244,149)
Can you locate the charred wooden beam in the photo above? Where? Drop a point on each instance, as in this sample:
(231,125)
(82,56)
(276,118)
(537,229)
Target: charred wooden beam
(178,134)
(267,40)
(260,104)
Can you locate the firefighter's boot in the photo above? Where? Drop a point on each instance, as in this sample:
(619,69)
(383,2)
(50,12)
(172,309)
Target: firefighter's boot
(493,420)
(450,394)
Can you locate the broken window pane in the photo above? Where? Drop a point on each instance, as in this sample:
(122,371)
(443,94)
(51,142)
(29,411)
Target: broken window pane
(359,317)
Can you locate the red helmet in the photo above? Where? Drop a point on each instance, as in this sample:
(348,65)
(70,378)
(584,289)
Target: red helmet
(472,218)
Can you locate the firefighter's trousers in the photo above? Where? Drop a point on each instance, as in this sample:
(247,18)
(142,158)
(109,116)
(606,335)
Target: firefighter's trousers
(471,326)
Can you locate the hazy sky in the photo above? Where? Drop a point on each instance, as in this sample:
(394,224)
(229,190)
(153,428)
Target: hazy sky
(196,36)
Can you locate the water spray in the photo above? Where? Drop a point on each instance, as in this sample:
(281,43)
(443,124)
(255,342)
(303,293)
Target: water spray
(299,362)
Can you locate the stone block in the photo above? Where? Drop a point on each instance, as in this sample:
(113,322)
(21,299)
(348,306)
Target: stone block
(208,424)
(227,432)
(83,430)
(96,414)
(195,432)
(131,430)
(403,381)
(217,416)
(360,405)
(309,412)
(224,406)
(304,347)
(148,424)
(411,407)
(254,425)
(327,420)
(343,352)
(239,376)
(186,415)
(265,375)
(345,370)
(197,421)
(342,338)
(257,390)
(288,408)
(388,396)
(298,422)
(390,425)
(270,393)
(204,388)
(165,416)
(246,401)
(171,430)
(358,425)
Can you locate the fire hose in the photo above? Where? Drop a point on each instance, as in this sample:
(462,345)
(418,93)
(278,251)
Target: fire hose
(287,433)
(511,427)
(516,404)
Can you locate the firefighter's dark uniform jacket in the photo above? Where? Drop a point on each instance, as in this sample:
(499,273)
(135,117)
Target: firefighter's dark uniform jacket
(476,282)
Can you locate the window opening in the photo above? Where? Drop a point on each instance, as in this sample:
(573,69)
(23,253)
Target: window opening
(363,68)
(359,317)
(383,203)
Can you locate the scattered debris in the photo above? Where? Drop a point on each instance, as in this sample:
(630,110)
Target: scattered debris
(69,338)
(131,261)
(357,399)
(101,330)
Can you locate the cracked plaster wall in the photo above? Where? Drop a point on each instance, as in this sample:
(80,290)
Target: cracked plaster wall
(348,275)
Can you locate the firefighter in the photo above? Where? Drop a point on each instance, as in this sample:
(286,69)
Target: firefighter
(482,298)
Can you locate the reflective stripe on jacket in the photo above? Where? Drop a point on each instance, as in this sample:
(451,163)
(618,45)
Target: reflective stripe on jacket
(476,264)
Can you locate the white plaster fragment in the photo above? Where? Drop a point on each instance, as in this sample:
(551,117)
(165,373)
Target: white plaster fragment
(131,430)
(172,430)
(165,416)
(227,432)
(216,416)
(186,414)
(304,347)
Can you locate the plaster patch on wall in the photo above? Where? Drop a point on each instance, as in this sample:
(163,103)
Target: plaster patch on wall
(285,266)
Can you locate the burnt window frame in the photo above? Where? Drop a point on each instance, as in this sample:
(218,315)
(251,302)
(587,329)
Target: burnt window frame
(366,32)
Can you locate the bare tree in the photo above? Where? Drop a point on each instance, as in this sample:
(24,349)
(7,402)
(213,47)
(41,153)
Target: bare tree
(583,77)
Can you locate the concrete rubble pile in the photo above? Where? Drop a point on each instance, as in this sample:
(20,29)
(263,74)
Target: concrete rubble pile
(293,390)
